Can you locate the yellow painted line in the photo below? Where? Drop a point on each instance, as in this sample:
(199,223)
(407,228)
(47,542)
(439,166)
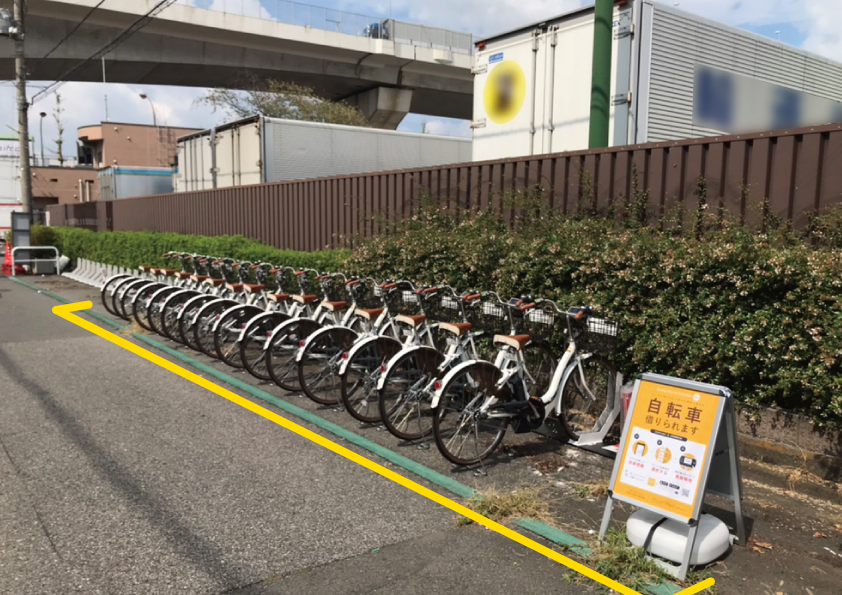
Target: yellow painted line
(66,311)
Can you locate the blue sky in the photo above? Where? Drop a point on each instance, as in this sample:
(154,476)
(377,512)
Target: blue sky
(810,24)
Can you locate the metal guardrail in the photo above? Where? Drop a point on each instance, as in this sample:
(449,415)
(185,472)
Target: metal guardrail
(339,21)
(16,261)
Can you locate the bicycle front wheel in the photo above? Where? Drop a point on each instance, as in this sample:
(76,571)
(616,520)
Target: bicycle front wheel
(405,399)
(465,433)
(318,368)
(107,292)
(280,356)
(226,338)
(258,331)
(586,395)
(359,383)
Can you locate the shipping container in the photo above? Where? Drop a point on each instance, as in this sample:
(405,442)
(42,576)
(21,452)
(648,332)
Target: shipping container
(118,182)
(260,150)
(674,75)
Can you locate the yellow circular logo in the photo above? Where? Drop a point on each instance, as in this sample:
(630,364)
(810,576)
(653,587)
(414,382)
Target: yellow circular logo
(504,92)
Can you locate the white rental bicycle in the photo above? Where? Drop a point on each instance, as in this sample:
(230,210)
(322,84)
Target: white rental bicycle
(477,401)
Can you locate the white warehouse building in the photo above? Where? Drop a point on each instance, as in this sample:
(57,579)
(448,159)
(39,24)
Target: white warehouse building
(674,75)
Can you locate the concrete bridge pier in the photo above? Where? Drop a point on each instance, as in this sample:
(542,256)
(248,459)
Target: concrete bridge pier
(384,107)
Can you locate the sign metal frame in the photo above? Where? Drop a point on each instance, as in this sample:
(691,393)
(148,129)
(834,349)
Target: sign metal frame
(720,475)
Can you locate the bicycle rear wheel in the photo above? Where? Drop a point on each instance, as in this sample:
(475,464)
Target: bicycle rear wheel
(406,398)
(464,434)
(359,383)
(586,395)
(258,331)
(318,368)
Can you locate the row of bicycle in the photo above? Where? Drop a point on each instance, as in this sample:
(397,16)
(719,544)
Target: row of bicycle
(422,360)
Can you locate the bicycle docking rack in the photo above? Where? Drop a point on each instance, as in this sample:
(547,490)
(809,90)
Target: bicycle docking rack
(596,441)
(94,273)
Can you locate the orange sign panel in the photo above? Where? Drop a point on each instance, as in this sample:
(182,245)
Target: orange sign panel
(668,442)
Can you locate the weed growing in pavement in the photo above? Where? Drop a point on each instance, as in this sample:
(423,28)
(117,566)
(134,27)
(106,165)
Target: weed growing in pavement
(523,502)
(590,490)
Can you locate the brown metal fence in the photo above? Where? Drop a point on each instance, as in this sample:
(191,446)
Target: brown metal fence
(794,174)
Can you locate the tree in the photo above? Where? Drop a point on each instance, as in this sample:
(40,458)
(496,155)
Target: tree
(277,99)
(57,111)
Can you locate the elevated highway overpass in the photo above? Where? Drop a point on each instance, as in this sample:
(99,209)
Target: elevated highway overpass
(387,71)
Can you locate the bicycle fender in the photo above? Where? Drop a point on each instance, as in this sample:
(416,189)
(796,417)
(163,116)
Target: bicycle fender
(278,329)
(157,293)
(300,353)
(113,278)
(252,321)
(381,380)
(225,313)
(353,351)
(209,304)
(189,303)
(174,294)
(448,377)
(571,367)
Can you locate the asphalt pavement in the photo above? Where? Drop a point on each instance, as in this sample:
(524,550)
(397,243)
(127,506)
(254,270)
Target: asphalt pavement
(117,476)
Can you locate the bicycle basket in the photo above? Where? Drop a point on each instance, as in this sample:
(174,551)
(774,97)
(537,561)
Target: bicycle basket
(493,317)
(539,322)
(367,294)
(334,289)
(597,335)
(443,307)
(403,300)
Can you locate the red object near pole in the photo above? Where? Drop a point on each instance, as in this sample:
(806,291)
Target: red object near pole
(7,261)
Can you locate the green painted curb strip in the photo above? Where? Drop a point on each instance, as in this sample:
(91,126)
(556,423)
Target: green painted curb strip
(58,298)
(537,527)
(662,589)
(435,477)
(555,535)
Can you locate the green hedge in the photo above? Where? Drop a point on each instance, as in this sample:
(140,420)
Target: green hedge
(134,248)
(757,313)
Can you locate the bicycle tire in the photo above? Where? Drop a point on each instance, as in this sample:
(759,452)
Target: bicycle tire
(124,303)
(203,327)
(358,385)
(252,352)
(188,318)
(318,367)
(226,337)
(458,410)
(155,308)
(404,402)
(280,355)
(140,312)
(106,293)
(577,416)
(172,307)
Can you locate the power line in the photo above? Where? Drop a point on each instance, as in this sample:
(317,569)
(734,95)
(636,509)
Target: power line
(116,42)
(76,28)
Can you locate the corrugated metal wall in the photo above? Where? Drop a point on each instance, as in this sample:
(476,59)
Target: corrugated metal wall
(797,171)
(680,41)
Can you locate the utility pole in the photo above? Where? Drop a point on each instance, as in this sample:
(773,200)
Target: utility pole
(601,76)
(23,109)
